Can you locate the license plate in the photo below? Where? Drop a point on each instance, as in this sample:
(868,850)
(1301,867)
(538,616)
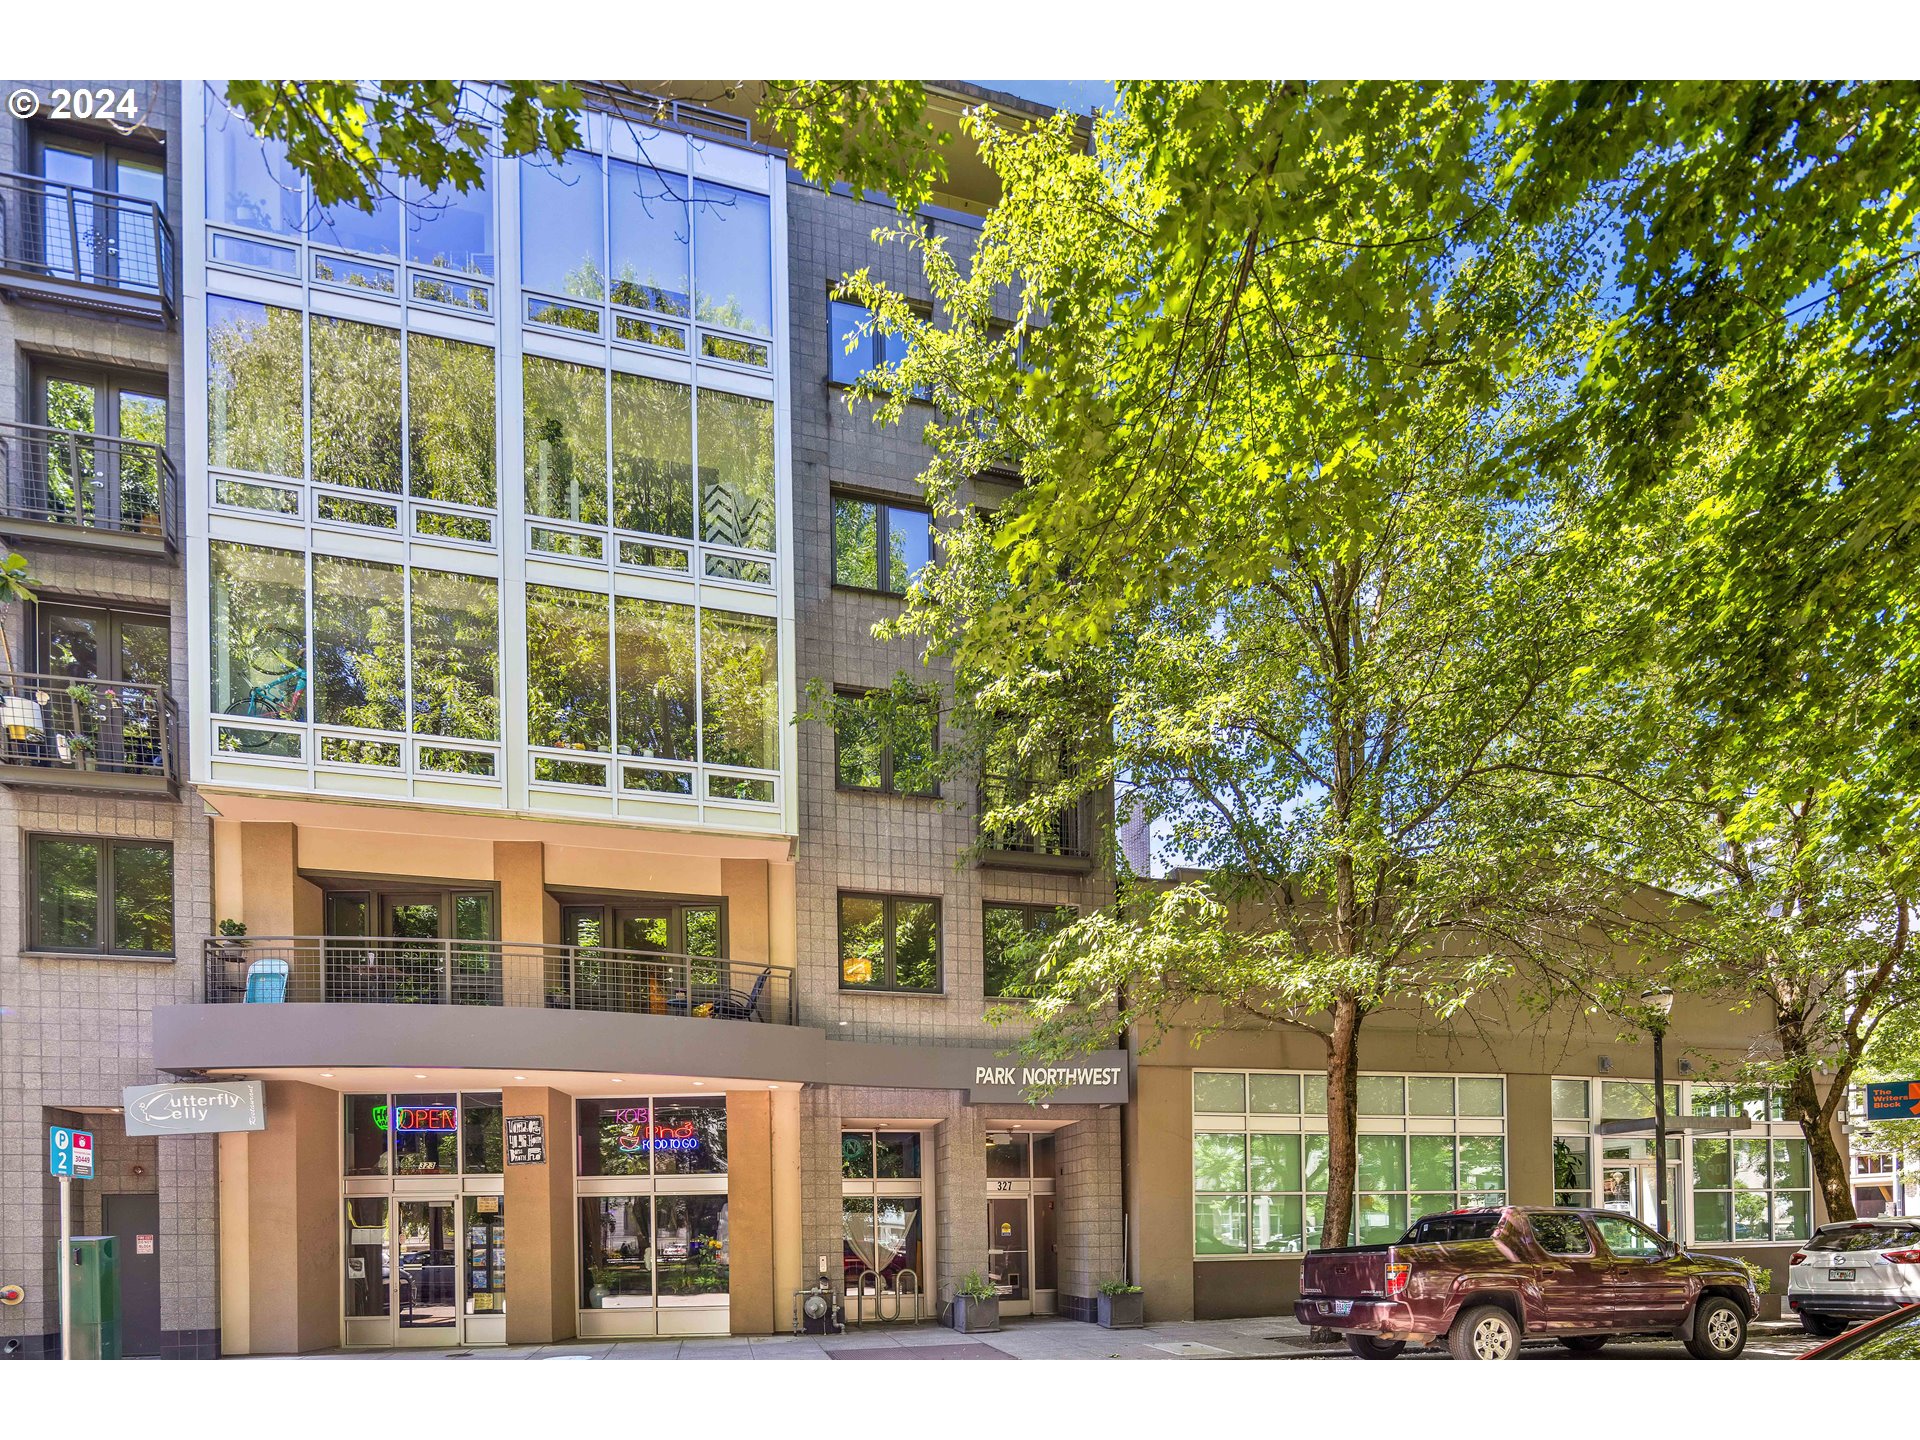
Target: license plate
(1336,1307)
(1839,1274)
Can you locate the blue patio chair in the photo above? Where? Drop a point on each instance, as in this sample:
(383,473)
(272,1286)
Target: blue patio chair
(267,982)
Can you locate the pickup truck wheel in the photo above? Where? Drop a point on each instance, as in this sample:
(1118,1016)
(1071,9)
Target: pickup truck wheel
(1719,1330)
(1486,1332)
(1372,1347)
(1584,1344)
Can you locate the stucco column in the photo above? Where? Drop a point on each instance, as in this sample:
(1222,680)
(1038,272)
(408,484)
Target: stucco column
(1160,1182)
(520,870)
(789,1264)
(1529,1139)
(291,1181)
(275,901)
(542,1291)
(750,1211)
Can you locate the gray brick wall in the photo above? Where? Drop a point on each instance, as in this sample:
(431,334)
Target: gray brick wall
(73,1032)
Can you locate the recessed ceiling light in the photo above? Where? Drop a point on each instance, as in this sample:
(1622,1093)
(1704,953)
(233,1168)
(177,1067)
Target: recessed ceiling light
(619,1079)
(419,1077)
(519,1077)
(699,1082)
(326,1074)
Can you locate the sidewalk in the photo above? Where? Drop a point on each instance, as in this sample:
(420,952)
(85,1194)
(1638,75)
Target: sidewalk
(1277,1337)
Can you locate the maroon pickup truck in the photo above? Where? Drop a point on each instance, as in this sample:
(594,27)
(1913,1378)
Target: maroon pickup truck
(1484,1280)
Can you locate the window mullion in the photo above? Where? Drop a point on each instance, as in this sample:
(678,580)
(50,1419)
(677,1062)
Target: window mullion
(103,901)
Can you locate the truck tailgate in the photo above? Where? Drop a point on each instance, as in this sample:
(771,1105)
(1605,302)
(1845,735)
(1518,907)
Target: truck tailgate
(1356,1272)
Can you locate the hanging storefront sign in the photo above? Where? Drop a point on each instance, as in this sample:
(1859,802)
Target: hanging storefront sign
(1899,1100)
(1096,1079)
(526,1140)
(195,1107)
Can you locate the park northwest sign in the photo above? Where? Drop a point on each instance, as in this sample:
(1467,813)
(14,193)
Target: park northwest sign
(195,1108)
(1096,1079)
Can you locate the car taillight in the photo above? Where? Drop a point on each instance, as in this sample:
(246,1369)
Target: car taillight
(1798,1256)
(1901,1257)
(1397,1281)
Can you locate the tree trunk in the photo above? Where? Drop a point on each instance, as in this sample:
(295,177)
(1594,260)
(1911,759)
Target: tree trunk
(1343,1102)
(1830,1175)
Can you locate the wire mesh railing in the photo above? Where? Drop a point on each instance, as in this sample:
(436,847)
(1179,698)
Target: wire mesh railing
(67,726)
(398,970)
(89,482)
(85,237)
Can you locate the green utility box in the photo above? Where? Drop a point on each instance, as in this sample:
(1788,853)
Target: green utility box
(93,1269)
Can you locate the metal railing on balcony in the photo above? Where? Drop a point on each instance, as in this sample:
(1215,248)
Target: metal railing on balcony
(1065,836)
(68,483)
(340,970)
(88,246)
(57,730)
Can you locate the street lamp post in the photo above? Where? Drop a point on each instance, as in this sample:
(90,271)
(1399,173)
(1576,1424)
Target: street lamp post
(1659,1005)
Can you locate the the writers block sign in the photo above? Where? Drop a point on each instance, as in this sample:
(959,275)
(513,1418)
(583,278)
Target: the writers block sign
(1099,1078)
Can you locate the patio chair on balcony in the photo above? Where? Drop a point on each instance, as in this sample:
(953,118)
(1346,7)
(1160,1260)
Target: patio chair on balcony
(718,1003)
(267,982)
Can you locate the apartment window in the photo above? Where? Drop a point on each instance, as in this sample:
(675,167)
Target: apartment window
(855,345)
(562,235)
(359,644)
(455,657)
(1429,1143)
(889,942)
(567,650)
(653,677)
(732,259)
(249,180)
(100,896)
(254,402)
(652,456)
(886,745)
(736,470)
(450,421)
(259,631)
(739,690)
(452,229)
(1015,936)
(650,238)
(878,545)
(566,441)
(114,484)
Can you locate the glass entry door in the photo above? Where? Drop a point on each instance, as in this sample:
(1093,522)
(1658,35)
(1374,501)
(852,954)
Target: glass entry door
(1021,1256)
(1627,1186)
(428,1271)
(1007,1266)
(427,1285)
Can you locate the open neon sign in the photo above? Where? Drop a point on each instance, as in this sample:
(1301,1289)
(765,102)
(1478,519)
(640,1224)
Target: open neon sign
(418,1119)
(635,1131)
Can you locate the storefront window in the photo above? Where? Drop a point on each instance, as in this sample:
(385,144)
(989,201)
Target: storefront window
(1751,1189)
(690,1248)
(425,1131)
(1009,1155)
(486,1252)
(481,1133)
(659,1137)
(616,1252)
(366,1251)
(689,1137)
(1633,1099)
(881,1234)
(367,1136)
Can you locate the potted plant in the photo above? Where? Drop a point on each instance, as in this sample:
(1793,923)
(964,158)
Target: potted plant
(83,746)
(976,1305)
(1122,1306)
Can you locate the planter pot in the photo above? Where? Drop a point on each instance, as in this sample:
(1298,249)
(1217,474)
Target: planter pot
(1122,1312)
(975,1317)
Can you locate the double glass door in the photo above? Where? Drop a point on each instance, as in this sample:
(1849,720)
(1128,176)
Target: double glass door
(98,216)
(1021,1243)
(87,476)
(424,947)
(1626,1186)
(428,1270)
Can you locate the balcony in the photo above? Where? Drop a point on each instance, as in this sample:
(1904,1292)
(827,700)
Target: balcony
(91,249)
(329,970)
(1062,843)
(70,487)
(62,733)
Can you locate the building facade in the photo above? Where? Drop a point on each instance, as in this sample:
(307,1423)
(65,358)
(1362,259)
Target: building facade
(470,559)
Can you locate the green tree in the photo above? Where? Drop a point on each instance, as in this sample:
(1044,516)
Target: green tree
(1268,564)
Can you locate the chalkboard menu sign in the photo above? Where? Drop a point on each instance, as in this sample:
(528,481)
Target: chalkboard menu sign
(526,1140)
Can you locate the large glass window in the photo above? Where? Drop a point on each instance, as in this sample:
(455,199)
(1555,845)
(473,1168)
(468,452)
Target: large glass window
(481,1151)
(254,419)
(456,655)
(450,420)
(740,690)
(653,649)
(665,1136)
(566,441)
(652,456)
(889,942)
(879,546)
(1015,936)
(650,238)
(359,644)
(854,346)
(736,470)
(452,230)
(366,1253)
(567,676)
(890,749)
(249,180)
(377,232)
(259,631)
(562,241)
(732,258)
(1758,1189)
(690,1249)
(426,1131)
(616,1252)
(1261,1191)
(101,896)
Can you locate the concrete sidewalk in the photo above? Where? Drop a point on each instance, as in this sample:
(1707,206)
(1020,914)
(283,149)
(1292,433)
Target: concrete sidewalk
(1266,1338)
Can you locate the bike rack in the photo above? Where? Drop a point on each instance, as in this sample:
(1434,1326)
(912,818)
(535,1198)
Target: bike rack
(884,1289)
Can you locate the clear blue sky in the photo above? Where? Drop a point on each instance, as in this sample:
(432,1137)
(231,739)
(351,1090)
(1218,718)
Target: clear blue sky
(1079,96)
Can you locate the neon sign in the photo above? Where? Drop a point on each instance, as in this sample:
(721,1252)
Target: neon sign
(635,1131)
(418,1119)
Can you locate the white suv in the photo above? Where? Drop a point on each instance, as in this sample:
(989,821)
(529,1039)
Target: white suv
(1854,1269)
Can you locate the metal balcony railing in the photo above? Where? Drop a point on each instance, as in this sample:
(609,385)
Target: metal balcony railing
(342,970)
(1064,837)
(90,247)
(68,484)
(56,730)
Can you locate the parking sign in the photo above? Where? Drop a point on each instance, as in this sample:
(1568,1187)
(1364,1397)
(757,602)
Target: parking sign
(70,1152)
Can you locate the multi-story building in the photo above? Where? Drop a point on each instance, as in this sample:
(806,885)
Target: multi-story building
(456,577)
(105,848)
